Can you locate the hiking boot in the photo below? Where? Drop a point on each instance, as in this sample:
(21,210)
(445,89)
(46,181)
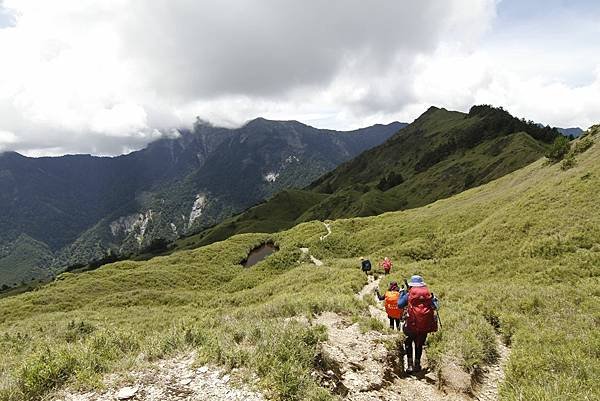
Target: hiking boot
(417,367)
(409,367)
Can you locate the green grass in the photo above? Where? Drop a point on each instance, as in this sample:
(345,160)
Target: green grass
(23,260)
(518,258)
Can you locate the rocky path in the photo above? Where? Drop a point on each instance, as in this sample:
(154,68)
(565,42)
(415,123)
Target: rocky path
(366,366)
(173,379)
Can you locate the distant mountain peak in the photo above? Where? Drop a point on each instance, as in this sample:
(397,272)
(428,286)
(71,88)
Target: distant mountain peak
(200,122)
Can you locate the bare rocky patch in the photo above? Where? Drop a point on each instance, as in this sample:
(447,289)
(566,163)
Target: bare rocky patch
(171,379)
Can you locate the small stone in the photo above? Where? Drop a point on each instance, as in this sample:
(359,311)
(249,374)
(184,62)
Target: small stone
(126,393)
(431,376)
(203,369)
(185,382)
(225,379)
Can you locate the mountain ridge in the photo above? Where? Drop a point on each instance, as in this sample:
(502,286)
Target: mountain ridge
(440,154)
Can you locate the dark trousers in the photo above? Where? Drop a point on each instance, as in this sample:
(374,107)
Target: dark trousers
(416,339)
(393,321)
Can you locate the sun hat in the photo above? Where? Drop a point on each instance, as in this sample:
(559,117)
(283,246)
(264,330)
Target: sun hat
(416,281)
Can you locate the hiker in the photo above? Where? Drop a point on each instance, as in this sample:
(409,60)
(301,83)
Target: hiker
(387,265)
(365,265)
(420,305)
(391,297)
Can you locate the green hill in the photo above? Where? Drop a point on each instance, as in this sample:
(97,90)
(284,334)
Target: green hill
(23,259)
(440,154)
(518,257)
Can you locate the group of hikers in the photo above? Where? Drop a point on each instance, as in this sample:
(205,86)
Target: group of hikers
(414,306)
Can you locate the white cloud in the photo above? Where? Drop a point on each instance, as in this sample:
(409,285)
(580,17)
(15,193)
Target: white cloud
(105,77)
(7,138)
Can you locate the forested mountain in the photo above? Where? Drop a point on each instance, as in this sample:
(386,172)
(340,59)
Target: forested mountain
(60,211)
(440,154)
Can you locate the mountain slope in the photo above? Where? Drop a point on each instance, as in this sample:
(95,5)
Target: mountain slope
(575,131)
(84,208)
(440,154)
(514,260)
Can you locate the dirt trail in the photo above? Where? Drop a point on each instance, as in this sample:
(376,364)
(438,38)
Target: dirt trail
(315,261)
(359,366)
(493,376)
(306,251)
(173,379)
(328,228)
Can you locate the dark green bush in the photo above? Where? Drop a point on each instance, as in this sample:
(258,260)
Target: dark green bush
(559,149)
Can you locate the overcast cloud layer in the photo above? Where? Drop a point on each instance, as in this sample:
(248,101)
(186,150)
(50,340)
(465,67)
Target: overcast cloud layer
(106,77)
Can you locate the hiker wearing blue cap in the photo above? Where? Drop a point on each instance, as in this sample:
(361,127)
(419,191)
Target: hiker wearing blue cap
(420,305)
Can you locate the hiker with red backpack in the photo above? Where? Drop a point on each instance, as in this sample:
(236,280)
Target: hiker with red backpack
(421,319)
(387,264)
(391,297)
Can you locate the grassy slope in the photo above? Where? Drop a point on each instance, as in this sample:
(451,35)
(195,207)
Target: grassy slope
(23,260)
(521,253)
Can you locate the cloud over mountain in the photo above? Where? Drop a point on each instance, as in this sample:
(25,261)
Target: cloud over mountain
(102,77)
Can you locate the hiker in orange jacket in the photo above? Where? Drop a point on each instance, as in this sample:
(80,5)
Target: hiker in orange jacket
(391,298)
(421,319)
(387,264)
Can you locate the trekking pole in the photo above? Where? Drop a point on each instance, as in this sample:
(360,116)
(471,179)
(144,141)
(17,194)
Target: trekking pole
(437,312)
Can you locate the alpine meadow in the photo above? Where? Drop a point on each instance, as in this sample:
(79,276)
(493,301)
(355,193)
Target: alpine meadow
(516,258)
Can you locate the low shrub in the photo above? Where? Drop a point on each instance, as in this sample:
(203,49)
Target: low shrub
(559,149)
(46,370)
(568,162)
(582,145)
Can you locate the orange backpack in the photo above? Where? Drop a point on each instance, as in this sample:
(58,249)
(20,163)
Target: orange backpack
(391,304)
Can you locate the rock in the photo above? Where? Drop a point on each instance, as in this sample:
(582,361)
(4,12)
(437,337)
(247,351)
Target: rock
(185,382)
(126,393)
(203,369)
(455,378)
(431,376)
(225,379)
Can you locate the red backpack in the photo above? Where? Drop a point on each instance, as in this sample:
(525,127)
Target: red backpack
(421,312)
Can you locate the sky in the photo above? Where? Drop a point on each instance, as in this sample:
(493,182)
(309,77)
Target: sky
(107,77)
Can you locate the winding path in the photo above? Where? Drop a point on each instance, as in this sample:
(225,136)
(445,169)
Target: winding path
(306,251)
(328,228)
(365,371)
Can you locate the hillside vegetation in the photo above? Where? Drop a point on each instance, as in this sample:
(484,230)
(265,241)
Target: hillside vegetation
(440,154)
(517,257)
